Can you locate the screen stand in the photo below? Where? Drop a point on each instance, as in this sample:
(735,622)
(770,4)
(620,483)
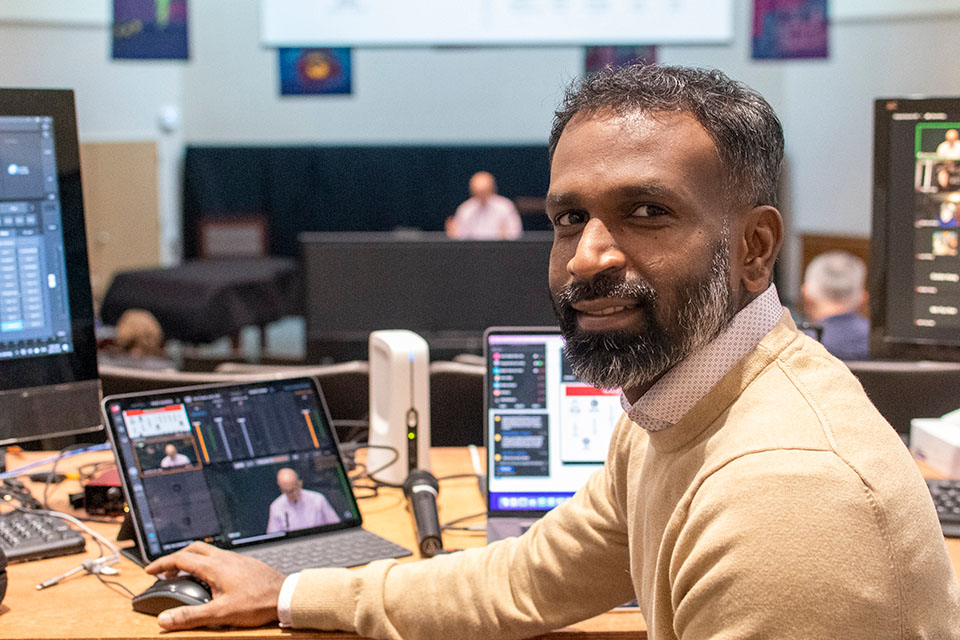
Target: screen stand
(126,532)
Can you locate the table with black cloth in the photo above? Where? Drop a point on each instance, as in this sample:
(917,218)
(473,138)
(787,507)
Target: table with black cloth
(204,300)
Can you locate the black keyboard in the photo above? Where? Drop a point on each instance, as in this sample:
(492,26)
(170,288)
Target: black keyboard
(32,536)
(946,497)
(348,548)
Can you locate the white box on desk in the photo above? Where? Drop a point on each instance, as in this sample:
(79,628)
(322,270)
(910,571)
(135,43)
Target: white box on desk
(936,441)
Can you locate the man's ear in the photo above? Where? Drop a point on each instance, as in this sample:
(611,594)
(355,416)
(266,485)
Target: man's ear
(762,238)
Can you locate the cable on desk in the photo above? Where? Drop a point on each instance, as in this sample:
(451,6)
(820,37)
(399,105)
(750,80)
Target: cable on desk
(53,471)
(374,485)
(25,470)
(457,476)
(101,564)
(451,525)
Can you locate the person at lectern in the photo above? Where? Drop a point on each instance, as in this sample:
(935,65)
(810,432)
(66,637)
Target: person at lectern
(296,507)
(750,490)
(486,215)
(173,458)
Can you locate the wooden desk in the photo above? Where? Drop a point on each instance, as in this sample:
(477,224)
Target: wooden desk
(82,608)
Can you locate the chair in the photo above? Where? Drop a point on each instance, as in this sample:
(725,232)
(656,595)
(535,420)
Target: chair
(905,390)
(456,404)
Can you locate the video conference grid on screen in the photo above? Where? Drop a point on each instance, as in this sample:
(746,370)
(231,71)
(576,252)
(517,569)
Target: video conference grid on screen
(936,269)
(922,196)
(208,466)
(547,430)
(34,310)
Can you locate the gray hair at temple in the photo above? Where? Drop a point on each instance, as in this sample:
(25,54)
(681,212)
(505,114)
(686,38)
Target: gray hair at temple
(743,126)
(836,276)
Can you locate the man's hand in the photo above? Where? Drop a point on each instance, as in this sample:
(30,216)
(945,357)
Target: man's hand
(245,591)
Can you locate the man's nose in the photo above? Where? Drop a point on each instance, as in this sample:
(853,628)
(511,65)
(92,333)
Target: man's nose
(597,251)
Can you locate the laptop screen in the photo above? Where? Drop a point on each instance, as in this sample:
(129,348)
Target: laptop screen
(546,430)
(230,465)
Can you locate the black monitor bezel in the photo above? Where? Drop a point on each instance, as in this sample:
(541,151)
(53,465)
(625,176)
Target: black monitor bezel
(49,396)
(883,345)
(81,363)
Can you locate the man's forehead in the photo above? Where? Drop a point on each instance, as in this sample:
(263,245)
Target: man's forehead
(638,122)
(668,145)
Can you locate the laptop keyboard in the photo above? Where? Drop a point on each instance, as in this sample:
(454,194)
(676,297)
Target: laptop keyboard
(946,497)
(350,548)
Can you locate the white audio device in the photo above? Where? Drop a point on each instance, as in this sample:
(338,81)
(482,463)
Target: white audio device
(399,405)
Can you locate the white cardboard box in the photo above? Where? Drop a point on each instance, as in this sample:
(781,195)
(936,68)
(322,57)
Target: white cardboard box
(936,441)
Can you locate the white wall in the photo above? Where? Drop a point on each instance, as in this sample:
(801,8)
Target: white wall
(116,100)
(227,94)
(399,95)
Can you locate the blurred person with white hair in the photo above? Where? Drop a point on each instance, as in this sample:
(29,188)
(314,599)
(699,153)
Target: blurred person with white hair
(833,290)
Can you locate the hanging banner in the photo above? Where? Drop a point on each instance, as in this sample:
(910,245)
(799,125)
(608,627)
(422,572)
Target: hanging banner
(784,29)
(150,29)
(314,71)
(599,58)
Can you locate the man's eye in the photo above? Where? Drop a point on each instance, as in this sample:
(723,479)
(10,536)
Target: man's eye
(649,211)
(570,218)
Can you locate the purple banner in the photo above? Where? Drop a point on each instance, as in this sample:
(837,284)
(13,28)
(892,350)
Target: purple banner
(150,29)
(785,29)
(599,58)
(314,71)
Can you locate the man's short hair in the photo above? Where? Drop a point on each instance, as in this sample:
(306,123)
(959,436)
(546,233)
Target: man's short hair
(836,276)
(742,125)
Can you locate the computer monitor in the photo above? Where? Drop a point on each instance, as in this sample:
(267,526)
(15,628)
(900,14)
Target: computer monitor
(48,360)
(915,258)
(446,290)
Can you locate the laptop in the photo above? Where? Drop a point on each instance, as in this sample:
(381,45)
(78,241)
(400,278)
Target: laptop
(252,467)
(546,431)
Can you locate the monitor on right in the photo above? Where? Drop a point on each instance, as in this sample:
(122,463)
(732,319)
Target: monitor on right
(915,262)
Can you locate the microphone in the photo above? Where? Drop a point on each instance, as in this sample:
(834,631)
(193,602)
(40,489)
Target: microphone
(420,488)
(286,519)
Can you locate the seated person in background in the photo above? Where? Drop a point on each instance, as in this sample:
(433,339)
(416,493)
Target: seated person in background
(833,290)
(486,215)
(173,458)
(136,342)
(296,507)
(139,334)
(750,490)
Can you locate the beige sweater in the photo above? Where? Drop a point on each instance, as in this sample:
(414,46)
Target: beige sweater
(781,506)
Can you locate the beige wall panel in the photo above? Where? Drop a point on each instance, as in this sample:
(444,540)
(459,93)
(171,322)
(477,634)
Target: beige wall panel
(121,202)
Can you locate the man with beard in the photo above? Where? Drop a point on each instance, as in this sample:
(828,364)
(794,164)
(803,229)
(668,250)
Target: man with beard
(750,491)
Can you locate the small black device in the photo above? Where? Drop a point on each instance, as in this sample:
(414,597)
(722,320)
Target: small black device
(421,489)
(103,495)
(32,536)
(173,592)
(3,575)
(946,497)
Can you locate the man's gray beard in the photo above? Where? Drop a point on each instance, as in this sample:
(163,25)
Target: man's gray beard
(625,360)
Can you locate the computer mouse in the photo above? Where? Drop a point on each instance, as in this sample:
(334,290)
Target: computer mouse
(173,592)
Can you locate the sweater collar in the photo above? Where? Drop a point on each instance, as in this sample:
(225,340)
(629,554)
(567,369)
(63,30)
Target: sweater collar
(784,337)
(674,394)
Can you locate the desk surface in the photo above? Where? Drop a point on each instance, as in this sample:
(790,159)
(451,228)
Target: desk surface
(82,608)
